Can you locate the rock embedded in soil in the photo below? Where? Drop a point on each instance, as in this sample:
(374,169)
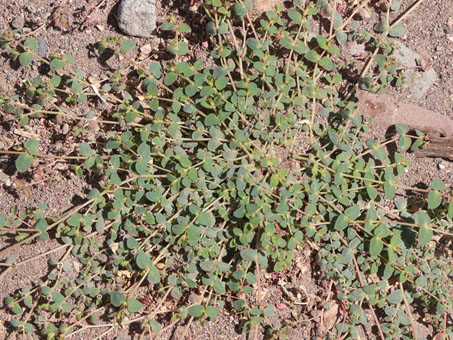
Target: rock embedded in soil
(18,22)
(137,17)
(42,48)
(418,74)
(390,111)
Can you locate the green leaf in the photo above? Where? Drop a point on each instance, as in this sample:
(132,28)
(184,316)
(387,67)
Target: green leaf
(381,26)
(25,58)
(196,310)
(94,193)
(322,41)
(403,318)
(85,149)
(252,43)
(155,326)
(55,81)
(376,246)
(94,319)
(183,27)
(133,305)
(295,16)
(126,46)
(437,184)
(155,69)
(143,260)
(239,305)
(395,297)
(132,243)
(389,190)
(16,309)
(248,254)
(56,64)
(183,47)
(286,43)
(23,162)
(397,31)
(117,299)
(274,180)
(212,312)
(28,301)
(31,43)
(405,143)
(434,199)
(326,63)
(380,60)
(211,120)
(167,26)
(221,83)
(32,146)
(269,310)
(141,166)
(210,28)
(352,212)
(154,276)
(170,78)
(239,10)
(185,162)
(425,235)
(341,223)
(206,219)
(337,21)
(75,220)
(15,323)
(29,328)
(341,37)
(312,56)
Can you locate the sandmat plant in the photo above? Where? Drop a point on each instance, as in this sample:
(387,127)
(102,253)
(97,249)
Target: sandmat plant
(210,173)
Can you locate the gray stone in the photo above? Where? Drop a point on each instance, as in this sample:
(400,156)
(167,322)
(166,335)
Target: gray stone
(18,22)
(137,17)
(418,80)
(42,48)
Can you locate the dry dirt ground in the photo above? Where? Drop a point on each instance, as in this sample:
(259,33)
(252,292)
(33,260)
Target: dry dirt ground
(427,33)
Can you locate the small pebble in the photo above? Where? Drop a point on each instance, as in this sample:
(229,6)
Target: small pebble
(441,166)
(18,22)
(42,48)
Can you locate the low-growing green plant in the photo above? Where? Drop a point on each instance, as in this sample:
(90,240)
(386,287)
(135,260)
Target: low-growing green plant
(211,173)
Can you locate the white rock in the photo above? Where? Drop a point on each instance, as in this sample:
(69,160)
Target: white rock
(137,17)
(418,81)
